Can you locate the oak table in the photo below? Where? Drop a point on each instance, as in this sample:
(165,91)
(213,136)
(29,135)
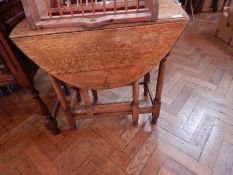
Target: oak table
(105,57)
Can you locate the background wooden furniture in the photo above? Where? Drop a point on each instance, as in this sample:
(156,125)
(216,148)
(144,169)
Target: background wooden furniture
(210,5)
(16,68)
(188,6)
(107,57)
(227,3)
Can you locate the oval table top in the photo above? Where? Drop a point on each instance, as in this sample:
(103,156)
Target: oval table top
(105,57)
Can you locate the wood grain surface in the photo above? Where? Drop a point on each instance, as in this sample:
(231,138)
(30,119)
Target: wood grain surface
(103,58)
(106,58)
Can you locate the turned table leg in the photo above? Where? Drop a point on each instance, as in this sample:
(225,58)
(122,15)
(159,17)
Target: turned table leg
(49,122)
(146,80)
(159,87)
(95,95)
(63,102)
(135,102)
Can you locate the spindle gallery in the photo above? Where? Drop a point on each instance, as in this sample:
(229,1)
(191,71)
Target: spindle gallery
(116,87)
(88,13)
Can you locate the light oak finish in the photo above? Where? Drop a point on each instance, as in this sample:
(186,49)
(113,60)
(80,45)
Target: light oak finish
(105,69)
(194,134)
(159,87)
(103,59)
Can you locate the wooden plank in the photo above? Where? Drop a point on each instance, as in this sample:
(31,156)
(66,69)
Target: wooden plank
(27,167)
(44,165)
(118,113)
(225,160)
(118,157)
(136,165)
(155,163)
(185,160)
(114,107)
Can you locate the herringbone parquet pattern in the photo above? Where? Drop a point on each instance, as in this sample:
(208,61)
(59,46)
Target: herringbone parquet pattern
(194,134)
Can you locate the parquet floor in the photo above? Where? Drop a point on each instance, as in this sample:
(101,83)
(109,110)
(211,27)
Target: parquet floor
(194,134)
